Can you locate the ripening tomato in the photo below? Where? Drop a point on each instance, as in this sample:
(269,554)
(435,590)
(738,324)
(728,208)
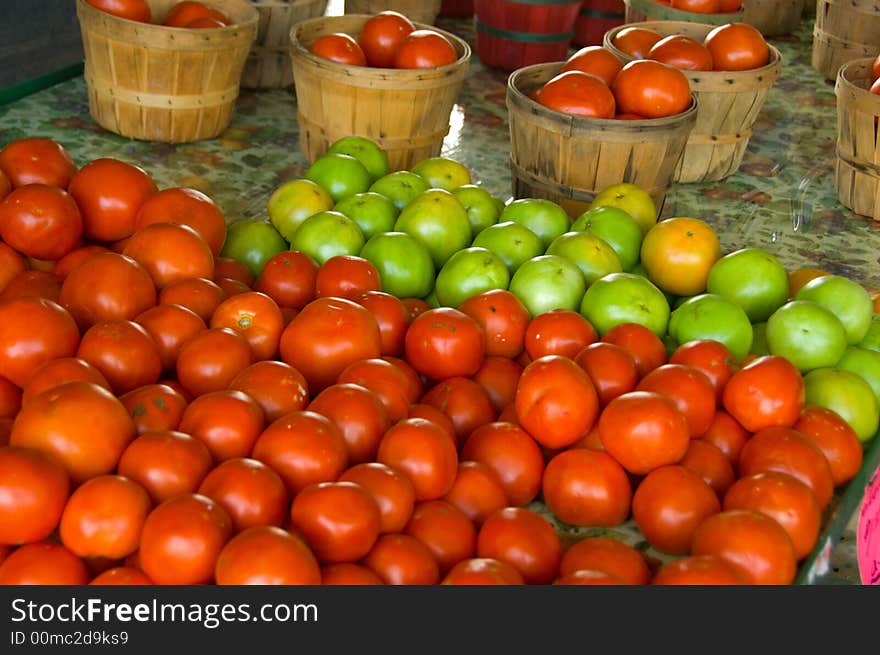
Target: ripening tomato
(36,160)
(504,319)
(711,357)
(644,346)
(346,276)
(587,487)
(138,10)
(289,279)
(384,379)
(558,332)
(339,47)
(390,315)
(264,555)
(608,555)
(170,326)
(424,48)
(381,36)
(57,371)
(523,539)
(651,89)
(768,391)
(499,376)
(727,435)
(477,491)
(578,93)
(33,491)
(706,460)
(234,269)
(42,284)
(612,370)
(210,360)
(40,221)
(277,387)
(595,60)
(736,47)
(74,258)
(256,317)
(464,401)
(683,52)
(109,193)
(228,422)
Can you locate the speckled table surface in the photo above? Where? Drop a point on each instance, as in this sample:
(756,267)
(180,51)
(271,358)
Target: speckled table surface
(782,198)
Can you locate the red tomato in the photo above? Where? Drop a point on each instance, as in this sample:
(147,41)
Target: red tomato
(464,401)
(768,391)
(339,47)
(399,559)
(651,89)
(683,52)
(346,573)
(170,252)
(227,267)
(643,431)
(697,570)
(499,376)
(706,460)
(40,221)
(166,464)
(124,354)
(58,371)
(289,279)
(523,539)
(422,451)
(185,207)
(339,520)
(504,319)
(266,555)
(346,276)
(210,360)
(445,342)
(109,193)
(182,539)
(391,489)
(359,414)
(154,407)
(33,492)
(445,530)
(608,555)
(595,60)
(512,454)
(612,370)
(384,379)
(713,358)
(41,284)
(424,48)
(228,422)
(587,487)
(36,161)
(43,563)
(635,41)
(697,6)
(831,434)
(11,264)
(753,544)
(252,493)
(74,258)
(555,401)
(391,316)
(483,571)
(578,93)
(644,346)
(104,517)
(10,399)
(558,332)
(736,47)
(256,317)
(170,326)
(328,335)
(138,10)
(121,575)
(304,448)
(381,36)
(690,390)
(669,504)
(199,295)
(477,491)
(727,435)
(277,387)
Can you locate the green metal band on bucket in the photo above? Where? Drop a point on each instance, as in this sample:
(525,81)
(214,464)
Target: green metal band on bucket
(601,13)
(525,37)
(26,88)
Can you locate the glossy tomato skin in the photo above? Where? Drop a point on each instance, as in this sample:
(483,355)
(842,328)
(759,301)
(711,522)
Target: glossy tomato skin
(483,571)
(58,371)
(587,487)
(40,221)
(256,317)
(504,319)
(33,491)
(182,14)
(768,391)
(109,193)
(464,401)
(595,60)
(339,47)
(186,207)
(444,342)
(121,575)
(523,539)
(390,315)
(123,352)
(512,454)
(422,451)
(399,559)
(713,358)
(651,89)
(683,52)
(477,491)
(277,387)
(737,46)
(211,360)
(170,326)
(423,48)
(578,93)
(445,530)
(347,573)
(252,493)
(170,252)
(382,35)
(360,416)
(558,332)
(689,388)
(266,555)
(154,407)
(697,570)
(837,440)
(390,488)
(228,422)
(612,370)
(43,563)
(166,463)
(36,160)
(635,41)
(137,10)
(608,555)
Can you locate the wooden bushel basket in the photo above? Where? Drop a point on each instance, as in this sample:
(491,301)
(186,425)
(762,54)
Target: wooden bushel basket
(774,17)
(639,10)
(268,65)
(418,11)
(844,31)
(729,104)
(405,111)
(169,84)
(569,159)
(857,177)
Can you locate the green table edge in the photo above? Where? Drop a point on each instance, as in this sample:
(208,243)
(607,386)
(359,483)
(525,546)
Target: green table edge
(18,91)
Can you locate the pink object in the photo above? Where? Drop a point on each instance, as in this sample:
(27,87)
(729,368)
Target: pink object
(868,541)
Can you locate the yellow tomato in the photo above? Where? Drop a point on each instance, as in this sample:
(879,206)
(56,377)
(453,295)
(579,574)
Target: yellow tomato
(677,254)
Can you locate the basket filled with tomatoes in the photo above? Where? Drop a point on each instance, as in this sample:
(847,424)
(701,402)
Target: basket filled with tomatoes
(774,17)
(595,18)
(420,11)
(381,77)
(843,32)
(511,35)
(268,65)
(573,133)
(730,68)
(712,12)
(162,70)
(857,178)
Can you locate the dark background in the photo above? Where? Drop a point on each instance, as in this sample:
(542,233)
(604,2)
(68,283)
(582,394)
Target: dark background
(37,37)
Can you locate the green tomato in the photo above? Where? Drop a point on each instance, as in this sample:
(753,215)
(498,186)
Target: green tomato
(252,243)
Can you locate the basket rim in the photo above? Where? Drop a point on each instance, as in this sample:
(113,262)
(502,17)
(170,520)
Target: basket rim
(709,18)
(688,115)
(252,20)
(774,63)
(298,49)
(845,72)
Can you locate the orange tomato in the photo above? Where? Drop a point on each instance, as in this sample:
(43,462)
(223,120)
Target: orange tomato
(36,160)
(683,52)
(186,207)
(635,41)
(736,47)
(594,60)
(798,277)
(578,93)
(697,6)
(651,89)
(678,253)
(381,36)
(339,47)
(184,13)
(608,555)
(424,48)
(266,555)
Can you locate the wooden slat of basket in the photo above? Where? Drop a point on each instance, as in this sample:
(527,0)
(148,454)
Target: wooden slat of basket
(641,10)
(774,17)
(419,11)
(844,31)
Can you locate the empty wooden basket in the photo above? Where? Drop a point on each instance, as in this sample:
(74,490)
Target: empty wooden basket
(419,11)
(156,83)
(729,104)
(844,31)
(268,65)
(857,178)
(639,10)
(774,17)
(405,111)
(569,159)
